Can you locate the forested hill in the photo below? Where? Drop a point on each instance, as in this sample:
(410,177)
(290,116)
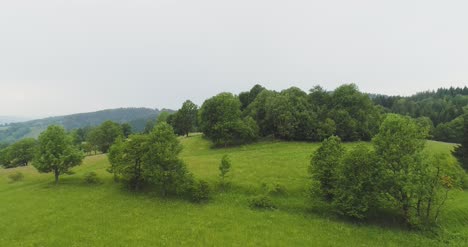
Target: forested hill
(136,117)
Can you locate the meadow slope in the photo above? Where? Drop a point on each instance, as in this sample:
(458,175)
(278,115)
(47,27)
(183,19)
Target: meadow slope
(35,212)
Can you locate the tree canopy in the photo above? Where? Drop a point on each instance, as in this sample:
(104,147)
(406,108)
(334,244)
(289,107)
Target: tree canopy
(55,152)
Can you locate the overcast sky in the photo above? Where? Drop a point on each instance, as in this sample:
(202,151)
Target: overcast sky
(66,56)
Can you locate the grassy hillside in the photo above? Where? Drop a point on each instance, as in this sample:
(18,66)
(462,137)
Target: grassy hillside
(34,212)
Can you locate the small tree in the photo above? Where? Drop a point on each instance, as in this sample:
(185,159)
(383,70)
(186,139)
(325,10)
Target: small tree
(126,158)
(18,154)
(56,153)
(399,145)
(162,165)
(224,168)
(185,119)
(126,130)
(324,164)
(358,183)
(105,135)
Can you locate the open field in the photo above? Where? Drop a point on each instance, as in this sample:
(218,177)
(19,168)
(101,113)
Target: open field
(35,212)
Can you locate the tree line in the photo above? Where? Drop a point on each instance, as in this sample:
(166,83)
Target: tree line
(444,108)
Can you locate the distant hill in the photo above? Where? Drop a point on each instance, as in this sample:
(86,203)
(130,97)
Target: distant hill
(12,119)
(137,117)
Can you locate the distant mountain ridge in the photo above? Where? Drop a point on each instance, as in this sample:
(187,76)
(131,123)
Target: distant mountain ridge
(137,117)
(13,119)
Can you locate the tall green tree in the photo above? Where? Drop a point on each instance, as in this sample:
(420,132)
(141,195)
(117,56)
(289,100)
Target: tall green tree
(185,119)
(246,98)
(399,145)
(104,135)
(461,151)
(357,188)
(163,167)
(56,153)
(324,164)
(126,129)
(355,115)
(220,120)
(127,159)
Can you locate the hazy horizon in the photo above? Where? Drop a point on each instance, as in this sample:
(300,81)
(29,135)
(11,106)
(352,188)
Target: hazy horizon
(68,57)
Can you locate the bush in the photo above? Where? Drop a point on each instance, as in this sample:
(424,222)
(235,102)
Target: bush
(261,202)
(91,178)
(200,191)
(15,177)
(358,178)
(277,189)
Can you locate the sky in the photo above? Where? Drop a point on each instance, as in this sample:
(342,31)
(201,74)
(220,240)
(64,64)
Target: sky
(67,56)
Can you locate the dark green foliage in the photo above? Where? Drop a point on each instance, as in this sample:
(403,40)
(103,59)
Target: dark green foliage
(163,167)
(104,136)
(357,183)
(16,177)
(246,98)
(18,154)
(151,159)
(399,145)
(354,114)
(443,106)
(394,175)
(261,202)
(220,120)
(294,115)
(55,152)
(91,178)
(324,164)
(185,119)
(126,130)
(450,132)
(126,159)
(149,126)
(461,151)
(200,191)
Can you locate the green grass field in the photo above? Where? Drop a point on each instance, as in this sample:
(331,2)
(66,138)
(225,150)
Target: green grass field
(35,212)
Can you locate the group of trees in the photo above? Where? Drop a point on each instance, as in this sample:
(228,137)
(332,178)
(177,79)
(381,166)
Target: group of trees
(20,153)
(152,159)
(291,114)
(444,107)
(394,174)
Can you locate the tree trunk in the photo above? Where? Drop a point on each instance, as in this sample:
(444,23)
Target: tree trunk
(56,173)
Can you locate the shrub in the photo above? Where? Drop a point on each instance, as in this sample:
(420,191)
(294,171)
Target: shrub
(277,189)
(358,179)
(91,178)
(200,191)
(15,177)
(261,202)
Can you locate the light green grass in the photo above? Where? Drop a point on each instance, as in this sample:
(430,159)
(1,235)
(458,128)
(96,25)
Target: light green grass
(34,212)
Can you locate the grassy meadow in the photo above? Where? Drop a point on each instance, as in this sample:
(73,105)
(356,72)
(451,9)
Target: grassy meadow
(35,212)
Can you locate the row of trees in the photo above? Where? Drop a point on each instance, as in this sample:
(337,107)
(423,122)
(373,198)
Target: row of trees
(395,173)
(291,114)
